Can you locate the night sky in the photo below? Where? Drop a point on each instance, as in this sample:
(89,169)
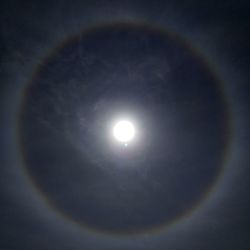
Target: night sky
(179,70)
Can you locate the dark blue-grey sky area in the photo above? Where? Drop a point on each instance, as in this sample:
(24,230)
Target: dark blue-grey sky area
(179,71)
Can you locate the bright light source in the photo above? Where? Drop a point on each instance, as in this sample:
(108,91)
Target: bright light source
(124,131)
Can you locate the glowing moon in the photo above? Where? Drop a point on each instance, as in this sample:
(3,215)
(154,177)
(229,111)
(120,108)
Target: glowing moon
(124,131)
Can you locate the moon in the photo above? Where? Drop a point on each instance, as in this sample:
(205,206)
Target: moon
(124,131)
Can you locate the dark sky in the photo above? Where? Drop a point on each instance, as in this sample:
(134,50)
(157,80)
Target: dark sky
(179,70)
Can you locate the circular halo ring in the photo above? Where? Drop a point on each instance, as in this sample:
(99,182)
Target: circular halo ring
(210,68)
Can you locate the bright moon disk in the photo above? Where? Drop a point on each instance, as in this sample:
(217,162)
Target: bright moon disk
(124,131)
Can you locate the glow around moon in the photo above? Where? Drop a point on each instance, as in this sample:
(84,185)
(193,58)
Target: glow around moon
(124,131)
